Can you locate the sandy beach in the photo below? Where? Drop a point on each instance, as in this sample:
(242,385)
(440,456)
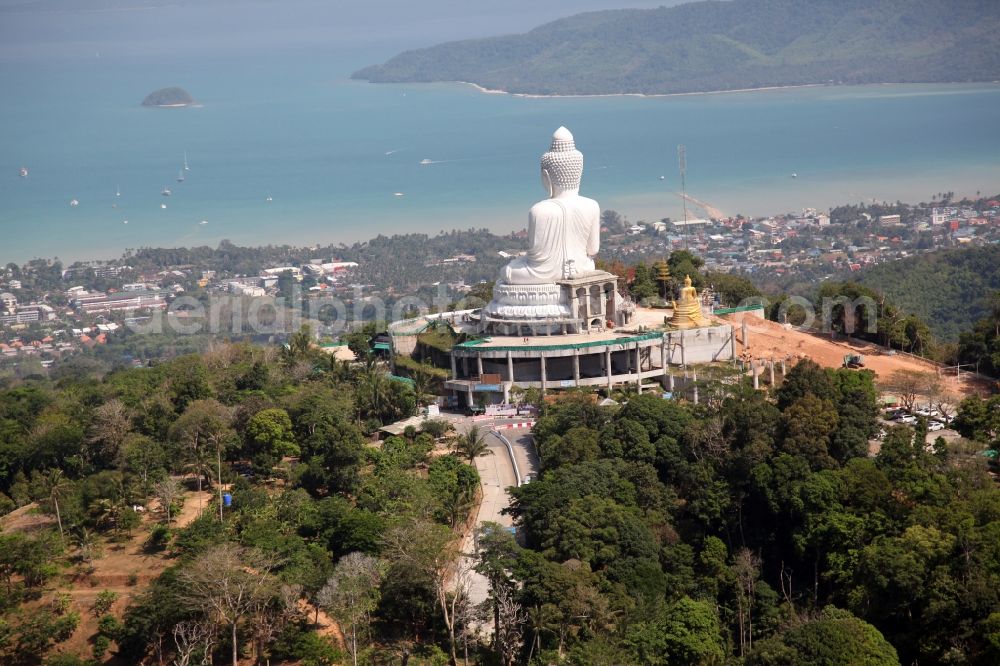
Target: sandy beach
(497,91)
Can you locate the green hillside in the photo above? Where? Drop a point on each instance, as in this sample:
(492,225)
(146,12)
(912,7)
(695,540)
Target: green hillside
(705,46)
(946,289)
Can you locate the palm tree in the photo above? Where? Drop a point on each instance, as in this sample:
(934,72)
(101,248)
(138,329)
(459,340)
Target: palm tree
(472,444)
(423,382)
(201,467)
(105,512)
(85,541)
(57,485)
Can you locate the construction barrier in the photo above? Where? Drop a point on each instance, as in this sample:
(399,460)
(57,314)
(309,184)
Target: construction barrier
(507,426)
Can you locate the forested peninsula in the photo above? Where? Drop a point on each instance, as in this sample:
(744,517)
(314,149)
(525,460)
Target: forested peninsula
(712,46)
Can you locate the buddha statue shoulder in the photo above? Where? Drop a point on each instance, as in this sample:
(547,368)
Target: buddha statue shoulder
(563,230)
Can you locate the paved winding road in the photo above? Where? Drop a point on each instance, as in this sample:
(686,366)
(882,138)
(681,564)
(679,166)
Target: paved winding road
(496,474)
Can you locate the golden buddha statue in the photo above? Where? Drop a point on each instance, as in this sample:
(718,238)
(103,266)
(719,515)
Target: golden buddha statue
(687,311)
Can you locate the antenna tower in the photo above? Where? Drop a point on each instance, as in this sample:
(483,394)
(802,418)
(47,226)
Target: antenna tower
(682,165)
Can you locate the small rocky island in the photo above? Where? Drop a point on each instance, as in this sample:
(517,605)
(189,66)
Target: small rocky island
(169,97)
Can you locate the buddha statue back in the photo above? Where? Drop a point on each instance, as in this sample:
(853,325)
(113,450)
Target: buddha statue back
(563,230)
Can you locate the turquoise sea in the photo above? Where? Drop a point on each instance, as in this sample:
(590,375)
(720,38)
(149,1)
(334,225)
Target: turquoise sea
(332,153)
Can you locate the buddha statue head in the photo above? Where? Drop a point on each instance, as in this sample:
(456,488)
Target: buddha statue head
(562,165)
(688,291)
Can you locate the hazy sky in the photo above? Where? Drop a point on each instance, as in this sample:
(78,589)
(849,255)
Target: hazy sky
(67,28)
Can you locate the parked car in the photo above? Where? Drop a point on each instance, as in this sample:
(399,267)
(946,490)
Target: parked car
(908,419)
(934,426)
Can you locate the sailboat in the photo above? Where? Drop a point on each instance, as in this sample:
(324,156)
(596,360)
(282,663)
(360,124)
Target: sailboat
(118,191)
(186,167)
(180,176)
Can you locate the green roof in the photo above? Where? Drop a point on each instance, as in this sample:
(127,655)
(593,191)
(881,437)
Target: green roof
(745,308)
(384,346)
(578,345)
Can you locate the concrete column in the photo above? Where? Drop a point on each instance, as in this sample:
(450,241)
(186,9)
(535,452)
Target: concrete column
(782,368)
(663,355)
(732,343)
(638,367)
(607,366)
(683,359)
(576,367)
(454,367)
(541,360)
(479,364)
(696,386)
(671,376)
(506,393)
(468,397)
(772,372)
(510,367)
(746,340)
(753,371)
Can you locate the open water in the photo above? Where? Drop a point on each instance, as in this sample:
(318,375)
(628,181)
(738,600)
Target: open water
(332,153)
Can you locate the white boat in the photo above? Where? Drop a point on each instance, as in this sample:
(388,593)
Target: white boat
(426,161)
(186,167)
(398,194)
(118,191)
(166,192)
(204,222)
(163,206)
(268,199)
(23,172)
(124,221)
(795,175)
(74,203)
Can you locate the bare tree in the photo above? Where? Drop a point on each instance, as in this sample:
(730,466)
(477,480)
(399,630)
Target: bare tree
(271,615)
(191,638)
(747,569)
(421,547)
(111,427)
(168,491)
(510,636)
(352,593)
(909,384)
(947,403)
(228,583)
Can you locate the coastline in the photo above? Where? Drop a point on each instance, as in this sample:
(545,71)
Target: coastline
(181,105)
(497,91)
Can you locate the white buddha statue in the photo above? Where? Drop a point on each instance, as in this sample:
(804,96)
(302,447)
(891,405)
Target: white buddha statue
(563,230)
(563,236)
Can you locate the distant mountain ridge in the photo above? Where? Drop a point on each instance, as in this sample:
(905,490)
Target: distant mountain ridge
(713,45)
